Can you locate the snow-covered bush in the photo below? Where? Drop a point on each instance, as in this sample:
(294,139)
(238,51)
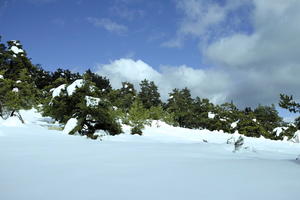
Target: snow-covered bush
(83,101)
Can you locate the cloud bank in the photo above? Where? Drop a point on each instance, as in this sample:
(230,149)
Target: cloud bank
(266,62)
(253,64)
(203,83)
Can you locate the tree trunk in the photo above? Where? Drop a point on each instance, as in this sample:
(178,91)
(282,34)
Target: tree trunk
(20,117)
(17,114)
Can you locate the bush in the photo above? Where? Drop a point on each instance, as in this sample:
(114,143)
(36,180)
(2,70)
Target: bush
(136,130)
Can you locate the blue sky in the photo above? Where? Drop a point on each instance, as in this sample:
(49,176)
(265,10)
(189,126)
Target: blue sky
(59,33)
(241,50)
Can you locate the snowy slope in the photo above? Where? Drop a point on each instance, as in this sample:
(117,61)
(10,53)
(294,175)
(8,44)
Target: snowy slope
(166,163)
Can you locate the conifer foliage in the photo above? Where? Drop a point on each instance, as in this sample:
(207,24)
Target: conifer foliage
(288,103)
(95,105)
(149,94)
(17,87)
(84,101)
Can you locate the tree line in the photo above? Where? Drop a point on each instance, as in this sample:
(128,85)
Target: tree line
(90,99)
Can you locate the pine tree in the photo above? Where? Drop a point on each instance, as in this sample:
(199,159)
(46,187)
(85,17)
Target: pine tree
(268,117)
(91,116)
(17,88)
(180,103)
(249,127)
(102,83)
(200,110)
(288,103)
(138,117)
(124,97)
(61,76)
(149,94)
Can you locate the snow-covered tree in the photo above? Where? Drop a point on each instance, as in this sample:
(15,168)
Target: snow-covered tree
(83,101)
(17,88)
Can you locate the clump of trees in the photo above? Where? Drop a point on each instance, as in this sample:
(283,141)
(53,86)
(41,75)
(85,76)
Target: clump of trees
(90,99)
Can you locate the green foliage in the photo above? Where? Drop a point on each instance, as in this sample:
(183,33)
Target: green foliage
(180,103)
(249,127)
(289,132)
(288,102)
(123,97)
(268,117)
(158,113)
(137,116)
(24,85)
(61,76)
(91,116)
(297,123)
(149,94)
(200,110)
(42,78)
(137,130)
(17,87)
(100,82)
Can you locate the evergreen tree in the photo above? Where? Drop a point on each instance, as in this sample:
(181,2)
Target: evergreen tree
(268,117)
(149,94)
(288,103)
(248,126)
(91,116)
(180,103)
(61,76)
(100,82)
(17,88)
(200,110)
(124,97)
(138,117)
(41,77)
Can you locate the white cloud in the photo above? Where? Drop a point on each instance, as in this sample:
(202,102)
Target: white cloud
(261,62)
(266,62)
(203,18)
(107,24)
(203,83)
(275,41)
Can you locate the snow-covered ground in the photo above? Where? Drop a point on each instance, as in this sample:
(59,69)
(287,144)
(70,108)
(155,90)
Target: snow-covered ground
(165,163)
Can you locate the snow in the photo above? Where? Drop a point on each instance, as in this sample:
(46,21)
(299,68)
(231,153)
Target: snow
(234,124)
(56,92)
(76,84)
(279,130)
(92,101)
(296,137)
(1,76)
(15,89)
(165,163)
(18,81)
(211,115)
(254,120)
(11,122)
(70,125)
(16,50)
